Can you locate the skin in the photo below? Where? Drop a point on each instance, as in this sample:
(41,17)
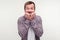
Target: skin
(30,12)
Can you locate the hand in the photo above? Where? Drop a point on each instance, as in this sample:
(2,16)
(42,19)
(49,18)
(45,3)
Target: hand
(29,16)
(33,22)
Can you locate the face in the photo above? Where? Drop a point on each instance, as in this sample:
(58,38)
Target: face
(29,11)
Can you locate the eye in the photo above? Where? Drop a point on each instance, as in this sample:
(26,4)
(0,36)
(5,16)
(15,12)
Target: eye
(32,8)
(27,8)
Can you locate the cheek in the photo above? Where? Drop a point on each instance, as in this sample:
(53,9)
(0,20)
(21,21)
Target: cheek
(26,11)
(32,10)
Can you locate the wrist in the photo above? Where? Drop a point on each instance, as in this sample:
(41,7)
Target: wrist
(33,22)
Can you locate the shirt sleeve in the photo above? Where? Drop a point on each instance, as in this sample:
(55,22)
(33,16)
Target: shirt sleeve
(22,31)
(37,27)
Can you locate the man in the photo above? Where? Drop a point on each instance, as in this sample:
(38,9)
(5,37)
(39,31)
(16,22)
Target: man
(30,20)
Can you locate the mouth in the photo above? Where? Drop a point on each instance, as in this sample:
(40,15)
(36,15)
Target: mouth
(29,12)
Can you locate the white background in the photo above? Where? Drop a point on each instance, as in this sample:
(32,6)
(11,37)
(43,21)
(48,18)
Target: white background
(10,10)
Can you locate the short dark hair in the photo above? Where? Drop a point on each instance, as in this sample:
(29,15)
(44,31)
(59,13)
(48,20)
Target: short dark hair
(29,2)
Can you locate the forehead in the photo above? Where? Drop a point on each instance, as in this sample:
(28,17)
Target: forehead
(30,5)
